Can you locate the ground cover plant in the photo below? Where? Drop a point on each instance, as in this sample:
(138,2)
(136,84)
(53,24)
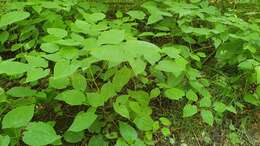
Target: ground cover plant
(129,73)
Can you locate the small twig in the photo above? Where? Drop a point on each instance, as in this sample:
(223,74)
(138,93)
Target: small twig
(93,79)
(209,57)
(196,138)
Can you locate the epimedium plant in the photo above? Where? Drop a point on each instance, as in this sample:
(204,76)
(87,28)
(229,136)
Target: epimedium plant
(72,72)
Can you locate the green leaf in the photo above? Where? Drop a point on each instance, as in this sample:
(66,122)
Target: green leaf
(72,97)
(140,15)
(140,95)
(219,107)
(4,35)
(138,65)
(57,32)
(113,36)
(107,91)
(234,138)
(21,92)
(177,67)
(191,95)
(97,140)
(137,49)
(174,93)
(111,53)
(13,68)
(36,73)
(205,102)
(59,83)
(155,93)
(127,132)
(121,78)
(95,17)
(83,120)
(154,18)
(18,117)
(172,52)
(121,142)
(68,42)
(165,121)
(144,123)
(64,69)
(257,69)
(2,96)
(95,99)
(207,117)
(78,81)
(12,17)
(189,110)
(4,140)
(251,99)
(36,61)
(120,106)
(73,137)
(39,134)
(139,142)
(166,131)
(49,47)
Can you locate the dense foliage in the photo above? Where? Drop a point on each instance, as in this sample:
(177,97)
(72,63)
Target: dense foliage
(99,74)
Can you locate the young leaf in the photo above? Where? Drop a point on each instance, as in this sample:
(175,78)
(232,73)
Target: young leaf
(39,133)
(72,97)
(219,107)
(172,52)
(155,17)
(127,132)
(189,110)
(78,81)
(13,68)
(107,91)
(64,69)
(97,140)
(120,106)
(138,65)
(57,32)
(144,123)
(4,140)
(59,83)
(176,67)
(251,99)
(121,78)
(113,36)
(36,73)
(174,93)
(18,117)
(191,95)
(111,53)
(49,47)
(21,92)
(165,121)
(155,92)
(136,14)
(12,17)
(83,120)
(205,102)
(73,137)
(2,95)
(121,142)
(137,49)
(166,131)
(207,117)
(95,99)
(36,61)
(4,35)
